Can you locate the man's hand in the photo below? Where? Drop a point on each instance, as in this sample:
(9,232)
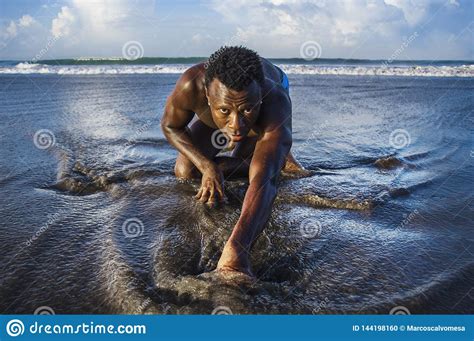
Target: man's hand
(212,185)
(235,258)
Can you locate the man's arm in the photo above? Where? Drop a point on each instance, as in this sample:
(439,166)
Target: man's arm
(178,113)
(267,161)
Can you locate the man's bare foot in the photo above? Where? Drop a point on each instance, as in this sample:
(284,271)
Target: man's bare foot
(297,173)
(234,259)
(228,270)
(294,169)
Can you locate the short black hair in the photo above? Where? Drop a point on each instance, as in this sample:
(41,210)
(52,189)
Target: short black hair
(235,66)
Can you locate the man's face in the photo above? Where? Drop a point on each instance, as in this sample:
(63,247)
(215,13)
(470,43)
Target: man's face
(234,112)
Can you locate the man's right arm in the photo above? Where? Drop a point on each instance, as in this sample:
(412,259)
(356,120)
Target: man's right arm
(178,113)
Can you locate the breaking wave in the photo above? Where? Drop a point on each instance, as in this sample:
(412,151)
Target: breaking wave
(307,69)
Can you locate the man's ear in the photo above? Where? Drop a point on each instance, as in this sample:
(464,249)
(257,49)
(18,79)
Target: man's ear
(207,96)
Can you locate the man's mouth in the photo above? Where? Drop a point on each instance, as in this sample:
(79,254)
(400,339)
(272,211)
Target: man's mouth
(236,138)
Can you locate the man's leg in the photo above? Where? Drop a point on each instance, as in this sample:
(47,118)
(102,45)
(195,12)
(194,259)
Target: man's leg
(232,167)
(238,165)
(235,166)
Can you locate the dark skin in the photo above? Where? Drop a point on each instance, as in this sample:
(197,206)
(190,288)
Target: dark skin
(257,121)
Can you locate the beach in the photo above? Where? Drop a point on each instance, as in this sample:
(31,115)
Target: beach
(94,221)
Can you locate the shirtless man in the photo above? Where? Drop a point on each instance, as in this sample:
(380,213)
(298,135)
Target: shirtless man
(245,99)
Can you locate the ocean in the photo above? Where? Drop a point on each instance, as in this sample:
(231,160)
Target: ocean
(93,220)
(320,66)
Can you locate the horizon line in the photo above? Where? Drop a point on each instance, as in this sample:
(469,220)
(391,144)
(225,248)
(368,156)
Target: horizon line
(204,58)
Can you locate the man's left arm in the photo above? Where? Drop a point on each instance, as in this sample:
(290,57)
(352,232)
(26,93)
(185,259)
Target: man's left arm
(267,161)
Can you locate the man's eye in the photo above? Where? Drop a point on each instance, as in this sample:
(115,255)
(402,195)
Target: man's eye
(224,111)
(247,111)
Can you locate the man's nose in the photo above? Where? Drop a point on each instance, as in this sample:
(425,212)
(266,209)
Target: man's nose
(236,124)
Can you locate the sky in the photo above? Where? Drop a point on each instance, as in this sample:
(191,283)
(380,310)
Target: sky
(359,29)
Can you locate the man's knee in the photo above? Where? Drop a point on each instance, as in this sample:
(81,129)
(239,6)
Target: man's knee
(184,170)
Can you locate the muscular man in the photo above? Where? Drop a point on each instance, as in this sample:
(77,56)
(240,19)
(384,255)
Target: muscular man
(244,98)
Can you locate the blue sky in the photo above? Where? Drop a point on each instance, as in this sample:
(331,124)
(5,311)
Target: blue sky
(373,29)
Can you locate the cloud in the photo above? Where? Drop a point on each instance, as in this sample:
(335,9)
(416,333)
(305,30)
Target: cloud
(417,11)
(413,11)
(24,34)
(332,23)
(61,26)
(101,27)
(105,13)
(95,19)
(11,31)
(16,27)
(350,29)
(26,21)
(274,28)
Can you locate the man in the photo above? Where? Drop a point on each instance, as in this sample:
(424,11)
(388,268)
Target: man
(244,98)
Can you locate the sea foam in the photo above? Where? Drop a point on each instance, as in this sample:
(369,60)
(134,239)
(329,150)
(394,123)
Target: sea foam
(304,69)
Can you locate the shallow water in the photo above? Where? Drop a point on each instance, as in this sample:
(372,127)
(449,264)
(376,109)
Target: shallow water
(97,223)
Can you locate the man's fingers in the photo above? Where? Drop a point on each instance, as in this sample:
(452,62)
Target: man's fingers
(221,192)
(212,194)
(212,202)
(205,195)
(198,195)
(214,197)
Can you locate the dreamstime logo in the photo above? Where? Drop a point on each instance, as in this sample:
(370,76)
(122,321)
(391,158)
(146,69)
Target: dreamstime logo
(51,219)
(144,127)
(408,219)
(400,310)
(132,50)
(219,140)
(44,139)
(310,50)
(132,228)
(143,306)
(15,328)
(399,138)
(321,305)
(310,228)
(44,310)
(399,51)
(49,45)
(222,310)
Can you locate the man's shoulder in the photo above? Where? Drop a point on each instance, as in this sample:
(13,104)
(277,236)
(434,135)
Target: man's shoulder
(273,90)
(274,96)
(276,108)
(192,78)
(189,87)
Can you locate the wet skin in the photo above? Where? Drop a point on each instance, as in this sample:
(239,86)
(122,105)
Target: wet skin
(257,121)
